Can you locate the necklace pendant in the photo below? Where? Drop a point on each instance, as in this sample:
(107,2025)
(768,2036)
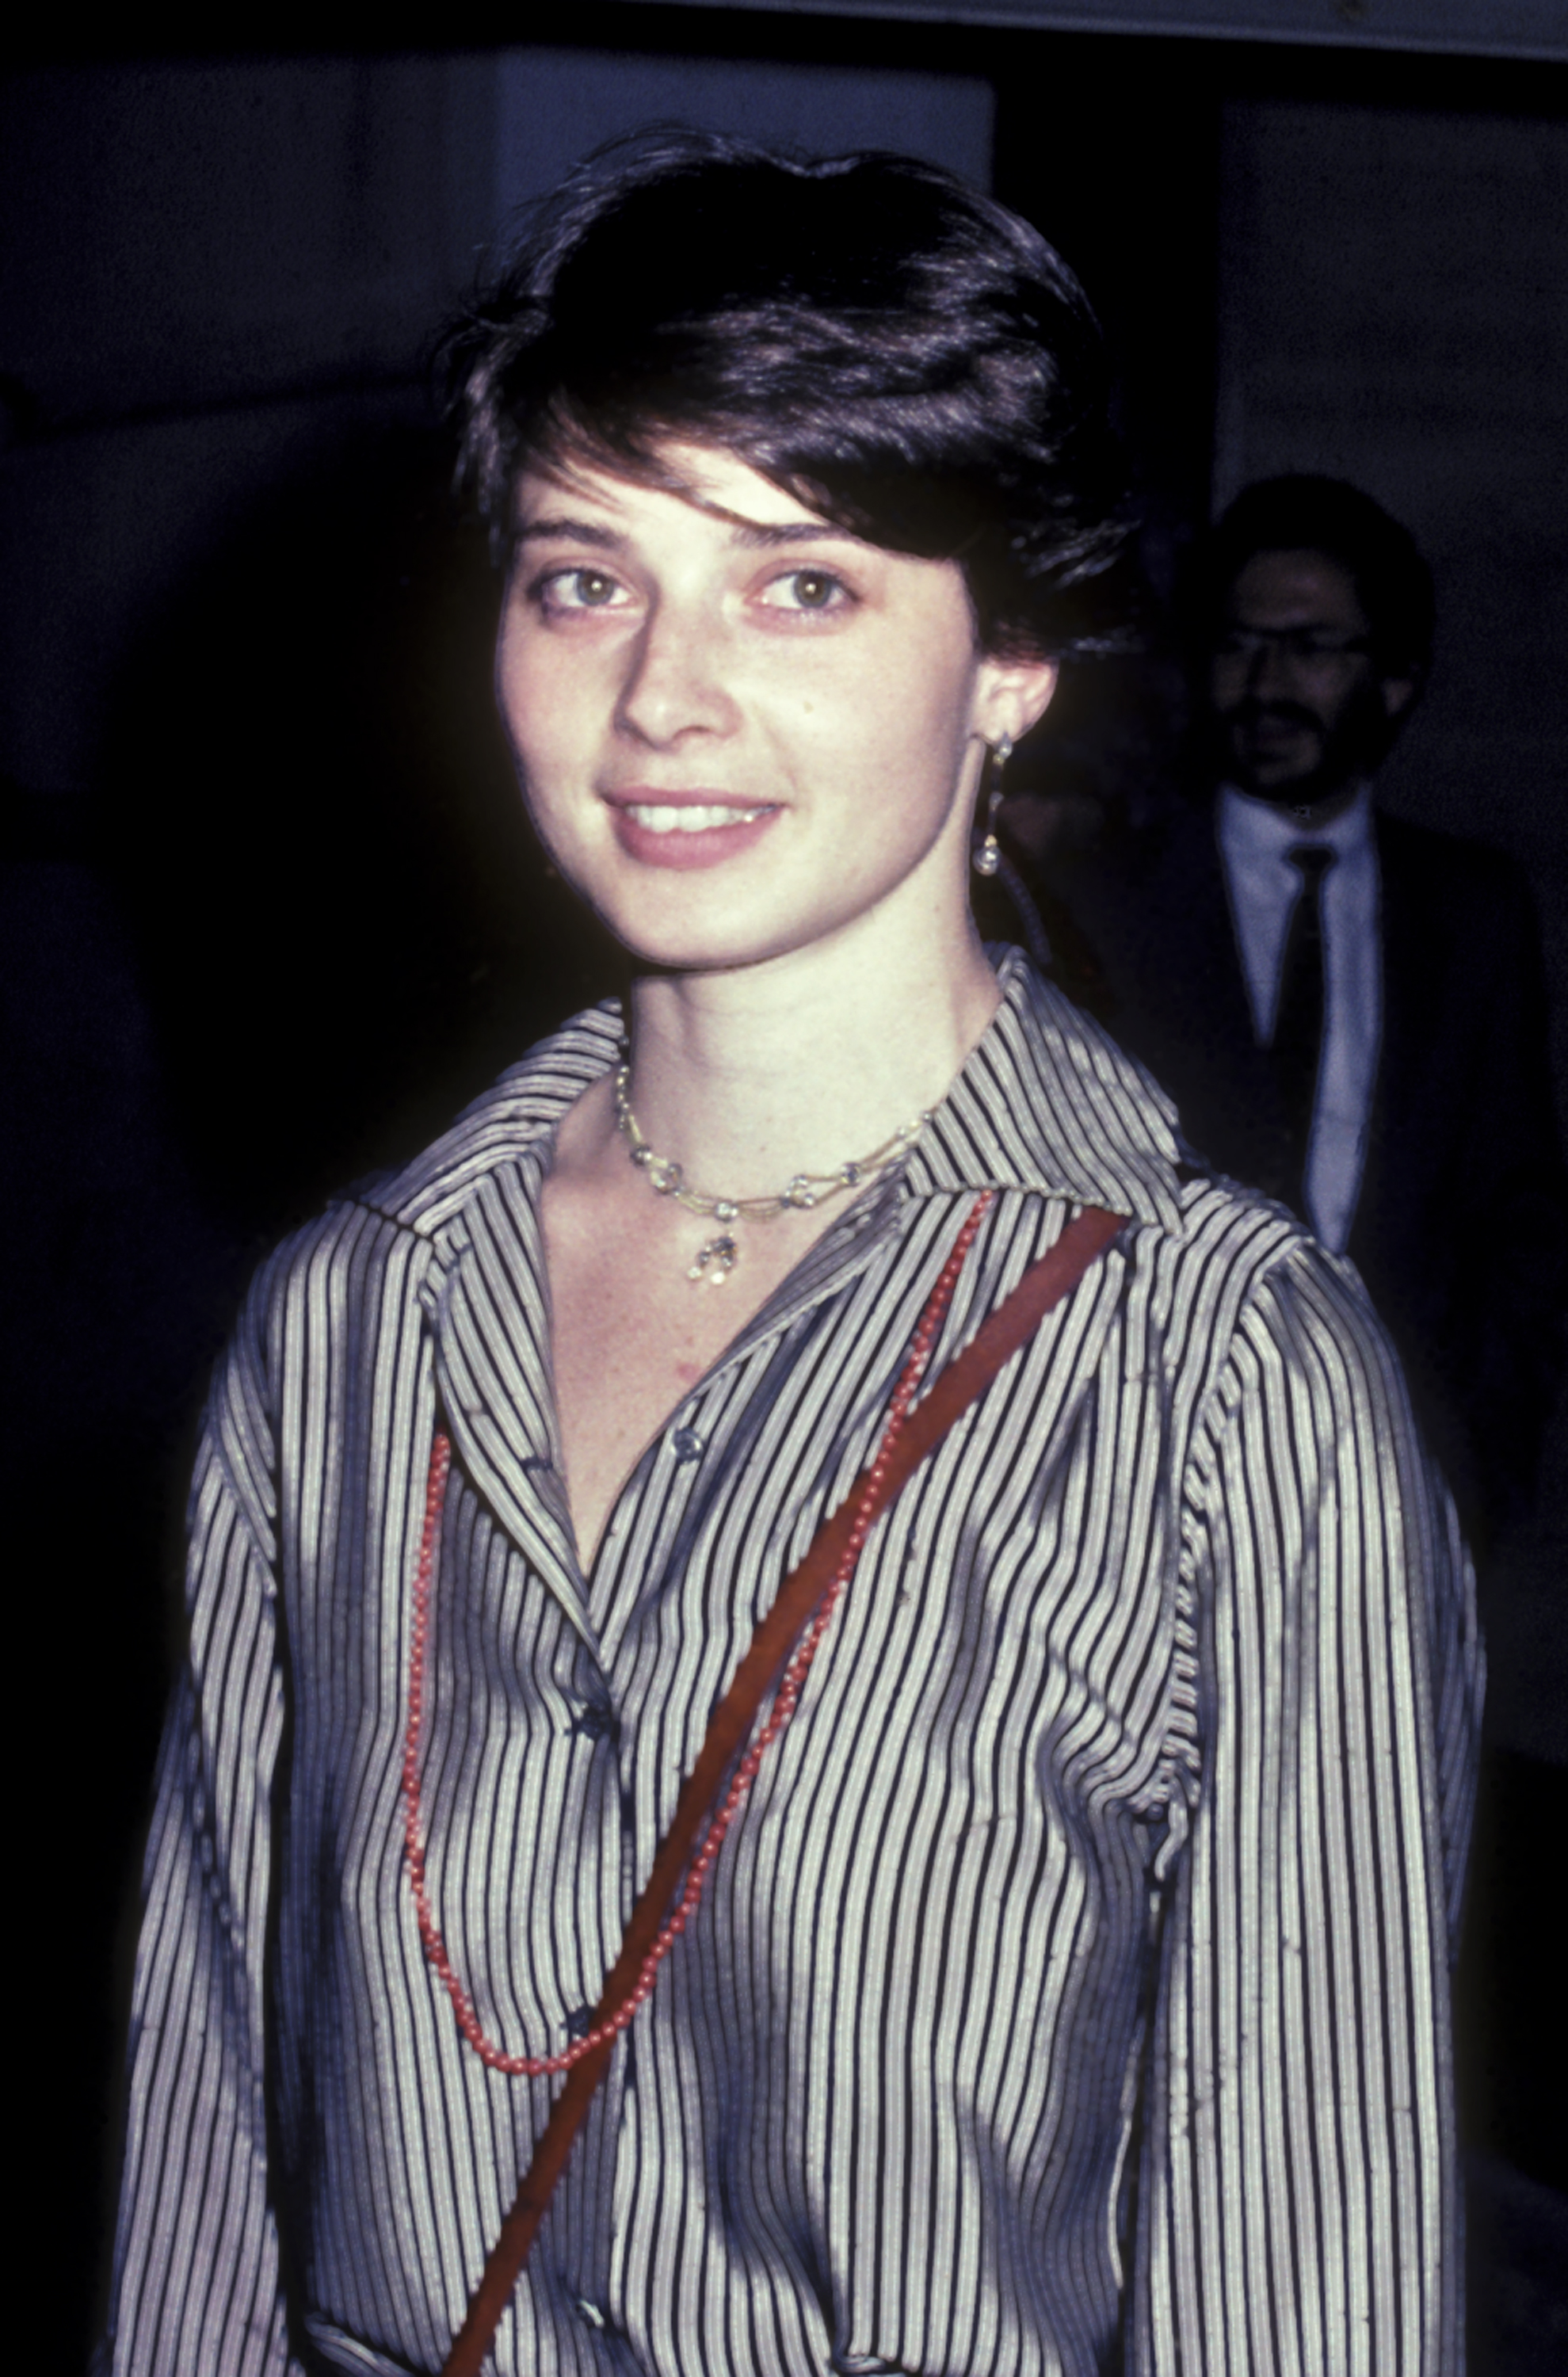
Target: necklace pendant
(715,1260)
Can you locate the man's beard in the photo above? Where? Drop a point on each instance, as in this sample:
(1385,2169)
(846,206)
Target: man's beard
(1327,756)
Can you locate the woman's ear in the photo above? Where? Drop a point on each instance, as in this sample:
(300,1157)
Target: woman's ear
(1012,696)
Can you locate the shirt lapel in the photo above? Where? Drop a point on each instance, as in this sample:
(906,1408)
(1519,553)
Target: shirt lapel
(490,1315)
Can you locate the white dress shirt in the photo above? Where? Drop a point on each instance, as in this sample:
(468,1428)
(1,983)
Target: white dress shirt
(1263,887)
(1117,1837)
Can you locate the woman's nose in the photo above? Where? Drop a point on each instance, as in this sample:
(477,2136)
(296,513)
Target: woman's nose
(676,681)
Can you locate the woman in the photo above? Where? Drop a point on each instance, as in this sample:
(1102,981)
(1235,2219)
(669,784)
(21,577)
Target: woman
(1073,1978)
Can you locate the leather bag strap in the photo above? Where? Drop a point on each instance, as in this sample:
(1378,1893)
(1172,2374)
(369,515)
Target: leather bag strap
(1043,1285)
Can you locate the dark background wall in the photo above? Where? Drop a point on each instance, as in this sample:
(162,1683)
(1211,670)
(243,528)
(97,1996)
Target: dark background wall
(1394,309)
(241,622)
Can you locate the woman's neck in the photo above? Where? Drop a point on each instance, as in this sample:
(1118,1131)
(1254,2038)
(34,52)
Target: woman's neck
(806,1061)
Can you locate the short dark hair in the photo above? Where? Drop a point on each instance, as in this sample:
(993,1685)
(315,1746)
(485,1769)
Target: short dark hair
(1306,513)
(893,349)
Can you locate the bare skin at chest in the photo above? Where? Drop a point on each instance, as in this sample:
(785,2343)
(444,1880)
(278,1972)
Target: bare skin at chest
(631,1334)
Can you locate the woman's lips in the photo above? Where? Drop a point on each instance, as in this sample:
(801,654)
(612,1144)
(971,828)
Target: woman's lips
(685,830)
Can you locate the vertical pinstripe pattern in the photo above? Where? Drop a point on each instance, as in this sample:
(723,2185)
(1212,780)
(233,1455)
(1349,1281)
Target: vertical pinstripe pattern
(1079,1966)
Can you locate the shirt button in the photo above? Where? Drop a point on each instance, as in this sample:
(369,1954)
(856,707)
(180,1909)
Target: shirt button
(589,2312)
(687,1444)
(594,1723)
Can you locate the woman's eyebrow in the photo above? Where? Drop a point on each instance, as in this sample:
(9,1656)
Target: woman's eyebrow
(754,535)
(762,534)
(571,531)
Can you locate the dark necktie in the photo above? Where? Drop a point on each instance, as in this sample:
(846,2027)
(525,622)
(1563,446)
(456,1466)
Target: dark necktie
(1299,1018)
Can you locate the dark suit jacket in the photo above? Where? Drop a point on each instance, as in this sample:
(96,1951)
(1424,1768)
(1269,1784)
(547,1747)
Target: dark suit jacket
(1461,1232)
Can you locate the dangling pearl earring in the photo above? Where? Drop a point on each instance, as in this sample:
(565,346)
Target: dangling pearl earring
(987,858)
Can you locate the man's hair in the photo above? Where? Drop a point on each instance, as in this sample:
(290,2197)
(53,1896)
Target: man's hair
(1303,512)
(903,355)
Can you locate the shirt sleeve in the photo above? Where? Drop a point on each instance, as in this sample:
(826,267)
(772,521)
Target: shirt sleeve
(196,2283)
(1298,2193)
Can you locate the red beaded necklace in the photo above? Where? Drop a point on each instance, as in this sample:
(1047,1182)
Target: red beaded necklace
(784,1704)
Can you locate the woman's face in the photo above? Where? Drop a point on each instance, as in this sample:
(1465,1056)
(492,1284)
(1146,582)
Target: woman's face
(739,729)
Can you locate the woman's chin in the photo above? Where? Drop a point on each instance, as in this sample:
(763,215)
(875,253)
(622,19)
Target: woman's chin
(731,942)
(755,925)
(692,923)
(672,954)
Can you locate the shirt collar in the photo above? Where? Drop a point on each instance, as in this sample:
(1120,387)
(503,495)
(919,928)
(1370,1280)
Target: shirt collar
(1046,1102)
(1252,829)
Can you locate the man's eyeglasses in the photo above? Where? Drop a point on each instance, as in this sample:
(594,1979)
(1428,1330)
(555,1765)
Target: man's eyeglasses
(1290,643)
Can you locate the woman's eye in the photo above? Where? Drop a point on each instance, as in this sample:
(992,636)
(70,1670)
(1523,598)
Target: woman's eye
(577,589)
(809,589)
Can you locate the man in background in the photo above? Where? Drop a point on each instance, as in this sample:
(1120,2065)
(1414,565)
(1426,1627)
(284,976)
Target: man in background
(1351,1010)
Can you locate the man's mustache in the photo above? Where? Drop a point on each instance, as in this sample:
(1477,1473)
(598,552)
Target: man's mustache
(1274,713)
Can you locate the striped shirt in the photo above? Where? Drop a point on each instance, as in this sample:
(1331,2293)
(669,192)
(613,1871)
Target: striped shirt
(1075,1982)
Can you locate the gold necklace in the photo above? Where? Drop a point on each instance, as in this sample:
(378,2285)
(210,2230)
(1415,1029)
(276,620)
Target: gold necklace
(716,1258)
